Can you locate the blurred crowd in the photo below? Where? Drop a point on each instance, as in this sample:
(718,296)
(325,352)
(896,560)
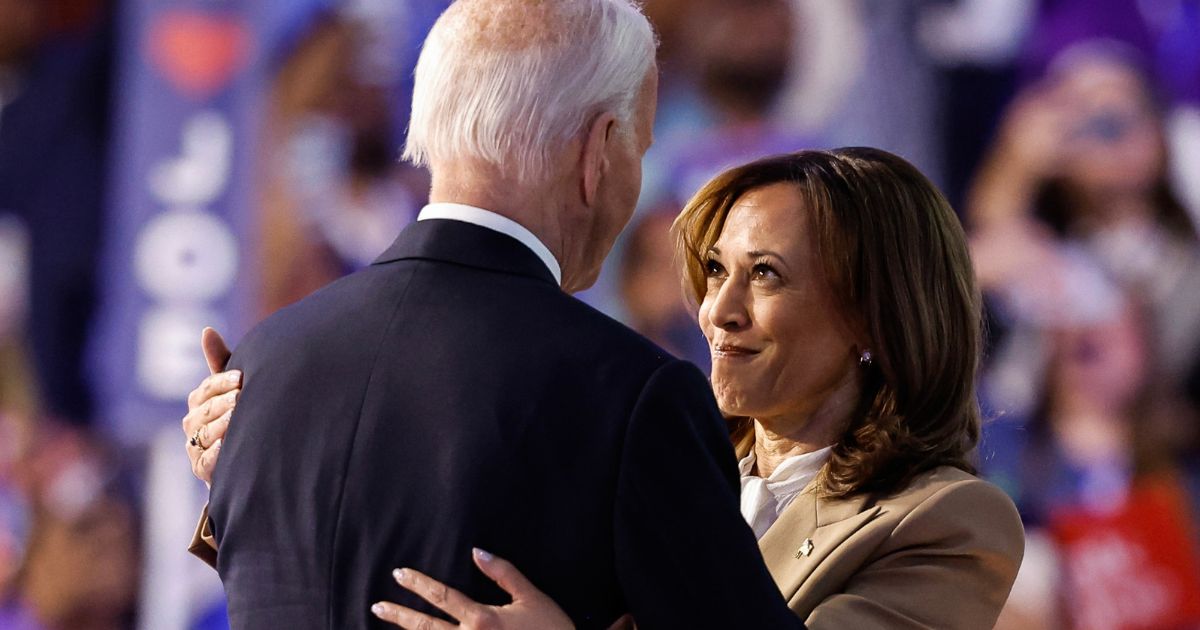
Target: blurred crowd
(1065,132)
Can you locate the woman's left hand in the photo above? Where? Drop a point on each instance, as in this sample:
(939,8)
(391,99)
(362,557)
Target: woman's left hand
(530,608)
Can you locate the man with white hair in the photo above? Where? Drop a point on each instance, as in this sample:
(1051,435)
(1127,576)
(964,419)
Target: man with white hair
(454,396)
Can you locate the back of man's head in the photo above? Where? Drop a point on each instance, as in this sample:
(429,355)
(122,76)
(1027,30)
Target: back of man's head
(509,82)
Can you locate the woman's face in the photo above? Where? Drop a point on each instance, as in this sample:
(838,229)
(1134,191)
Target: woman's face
(1115,145)
(779,345)
(1105,362)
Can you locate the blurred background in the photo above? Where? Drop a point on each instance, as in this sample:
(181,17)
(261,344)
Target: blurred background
(171,164)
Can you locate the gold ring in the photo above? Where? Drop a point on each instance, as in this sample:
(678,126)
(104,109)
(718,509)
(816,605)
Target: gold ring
(195,441)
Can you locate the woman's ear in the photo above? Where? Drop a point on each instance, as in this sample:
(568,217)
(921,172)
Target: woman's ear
(595,155)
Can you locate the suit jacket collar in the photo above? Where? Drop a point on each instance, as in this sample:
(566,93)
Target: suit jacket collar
(808,531)
(466,244)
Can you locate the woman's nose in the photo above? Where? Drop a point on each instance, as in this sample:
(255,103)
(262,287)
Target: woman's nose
(729,310)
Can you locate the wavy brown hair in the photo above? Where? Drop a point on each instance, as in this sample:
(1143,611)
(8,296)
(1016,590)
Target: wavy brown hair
(895,255)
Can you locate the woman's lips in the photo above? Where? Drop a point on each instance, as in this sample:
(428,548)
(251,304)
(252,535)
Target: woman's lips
(732,351)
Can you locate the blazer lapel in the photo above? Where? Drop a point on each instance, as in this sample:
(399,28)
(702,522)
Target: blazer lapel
(807,532)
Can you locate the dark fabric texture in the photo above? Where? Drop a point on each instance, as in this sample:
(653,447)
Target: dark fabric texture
(451,396)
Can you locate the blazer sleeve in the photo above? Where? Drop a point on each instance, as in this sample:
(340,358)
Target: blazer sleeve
(204,545)
(949,564)
(685,558)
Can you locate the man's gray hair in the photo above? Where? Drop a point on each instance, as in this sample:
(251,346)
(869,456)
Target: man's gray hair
(509,82)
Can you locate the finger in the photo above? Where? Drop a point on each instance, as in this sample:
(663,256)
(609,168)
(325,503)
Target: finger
(214,385)
(209,411)
(445,598)
(216,353)
(624,623)
(207,461)
(194,453)
(398,615)
(506,575)
(215,430)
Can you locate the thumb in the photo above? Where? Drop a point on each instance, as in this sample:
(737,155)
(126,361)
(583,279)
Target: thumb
(503,572)
(216,353)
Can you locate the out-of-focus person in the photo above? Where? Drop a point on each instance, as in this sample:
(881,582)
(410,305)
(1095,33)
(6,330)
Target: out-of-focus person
(651,295)
(63,504)
(334,193)
(1100,482)
(1081,159)
(54,68)
(720,109)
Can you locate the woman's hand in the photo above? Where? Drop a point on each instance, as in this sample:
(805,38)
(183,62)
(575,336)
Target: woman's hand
(1031,146)
(210,406)
(530,609)
(1034,136)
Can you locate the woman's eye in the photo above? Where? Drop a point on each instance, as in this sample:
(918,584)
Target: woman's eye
(713,268)
(764,271)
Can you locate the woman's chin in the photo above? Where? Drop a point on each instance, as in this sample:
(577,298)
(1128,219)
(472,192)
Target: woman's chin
(733,404)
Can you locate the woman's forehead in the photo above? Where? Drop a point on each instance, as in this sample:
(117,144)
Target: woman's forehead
(771,215)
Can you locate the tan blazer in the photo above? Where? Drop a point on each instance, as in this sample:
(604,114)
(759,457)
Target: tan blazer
(941,554)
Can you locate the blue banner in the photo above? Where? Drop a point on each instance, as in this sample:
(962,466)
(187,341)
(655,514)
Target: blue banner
(190,89)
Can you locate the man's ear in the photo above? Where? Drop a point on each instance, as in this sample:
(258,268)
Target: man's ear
(595,151)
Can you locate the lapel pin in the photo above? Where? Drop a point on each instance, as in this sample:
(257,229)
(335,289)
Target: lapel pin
(805,550)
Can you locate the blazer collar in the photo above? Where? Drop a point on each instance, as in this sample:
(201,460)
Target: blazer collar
(808,531)
(466,244)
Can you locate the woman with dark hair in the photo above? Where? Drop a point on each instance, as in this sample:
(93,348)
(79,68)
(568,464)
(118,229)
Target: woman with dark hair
(1081,161)
(839,303)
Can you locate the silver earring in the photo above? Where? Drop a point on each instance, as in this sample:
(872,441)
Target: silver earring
(864,359)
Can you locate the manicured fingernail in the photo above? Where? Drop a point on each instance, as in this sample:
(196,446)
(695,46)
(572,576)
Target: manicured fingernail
(482,555)
(233,376)
(377,609)
(398,574)
(217,445)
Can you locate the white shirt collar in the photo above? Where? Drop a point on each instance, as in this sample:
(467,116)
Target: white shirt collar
(763,500)
(495,222)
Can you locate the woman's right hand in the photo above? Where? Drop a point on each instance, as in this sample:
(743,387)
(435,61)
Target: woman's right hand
(210,406)
(530,609)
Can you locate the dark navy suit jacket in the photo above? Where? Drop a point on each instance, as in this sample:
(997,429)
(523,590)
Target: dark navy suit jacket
(451,396)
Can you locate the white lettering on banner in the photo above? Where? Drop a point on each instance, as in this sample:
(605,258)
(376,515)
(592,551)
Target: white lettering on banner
(200,173)
(185,258)
(1113,586)
(169,356)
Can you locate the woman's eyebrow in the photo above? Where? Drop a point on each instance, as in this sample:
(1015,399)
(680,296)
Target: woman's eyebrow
(765,253)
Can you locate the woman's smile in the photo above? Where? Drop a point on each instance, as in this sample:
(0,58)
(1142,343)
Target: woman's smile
(733,351)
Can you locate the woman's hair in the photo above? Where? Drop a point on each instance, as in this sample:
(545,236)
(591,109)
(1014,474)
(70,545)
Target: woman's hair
(895,256)
(506,81)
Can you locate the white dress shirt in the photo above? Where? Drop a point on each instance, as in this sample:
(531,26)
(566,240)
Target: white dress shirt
(763,500)
(492,221)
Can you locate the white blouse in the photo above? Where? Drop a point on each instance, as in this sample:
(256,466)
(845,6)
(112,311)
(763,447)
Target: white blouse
(763,500)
